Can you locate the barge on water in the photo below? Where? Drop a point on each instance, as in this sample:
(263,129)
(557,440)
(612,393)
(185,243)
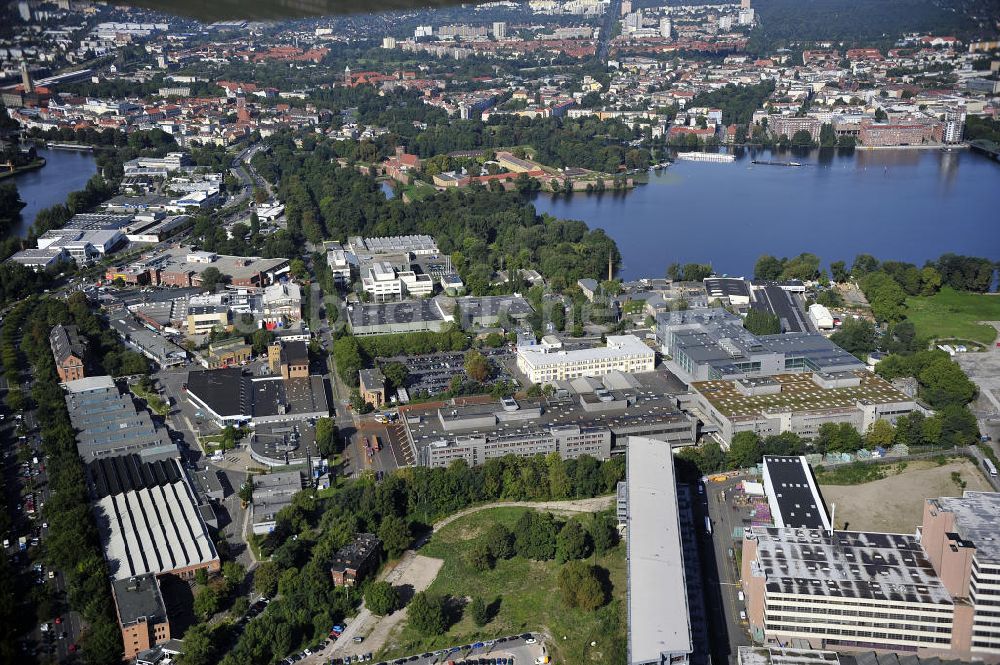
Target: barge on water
(706,156)
(765,162)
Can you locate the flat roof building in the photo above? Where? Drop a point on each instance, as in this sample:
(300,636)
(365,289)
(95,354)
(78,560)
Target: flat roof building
(397,317)
(487,311)
(792,493)
(844,590)
(734,290)
(354,561)
(230,397)
(623,353)
(798,403)
(271,493)
(142,614)
(579,419)
(961,536)
(659,624)
(705,344)
(107,422)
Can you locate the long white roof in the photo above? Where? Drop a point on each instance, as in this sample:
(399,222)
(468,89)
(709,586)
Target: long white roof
(659,620)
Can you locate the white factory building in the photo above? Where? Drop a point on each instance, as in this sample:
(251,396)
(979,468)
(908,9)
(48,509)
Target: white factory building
(548,363)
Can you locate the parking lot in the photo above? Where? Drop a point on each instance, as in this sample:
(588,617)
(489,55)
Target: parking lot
(432,374)
(27,485)
(394,448)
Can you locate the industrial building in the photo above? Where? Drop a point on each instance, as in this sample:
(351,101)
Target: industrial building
(231,398)
(798,403)
(623,353)
(487,311)
(425,315)
(586,417)
(792,494)
(705,344)
(107,422)
(659,624)
(150,343)
(183,266)
(932,594)
(271,493)
(734,290)
(844,590)
(283,444)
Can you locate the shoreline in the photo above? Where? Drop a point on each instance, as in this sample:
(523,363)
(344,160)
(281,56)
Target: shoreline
(34,166)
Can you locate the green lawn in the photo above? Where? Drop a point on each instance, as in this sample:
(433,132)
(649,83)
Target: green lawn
(953,314)
(528,593)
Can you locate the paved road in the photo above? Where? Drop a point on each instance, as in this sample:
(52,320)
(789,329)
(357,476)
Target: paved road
(726,631)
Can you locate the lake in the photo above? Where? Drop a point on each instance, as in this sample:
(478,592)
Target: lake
(65,171)
(907,205)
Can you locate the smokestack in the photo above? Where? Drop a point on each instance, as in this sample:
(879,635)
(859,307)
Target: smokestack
(26,78)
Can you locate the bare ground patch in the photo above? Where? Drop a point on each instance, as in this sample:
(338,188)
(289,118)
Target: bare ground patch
(895,504)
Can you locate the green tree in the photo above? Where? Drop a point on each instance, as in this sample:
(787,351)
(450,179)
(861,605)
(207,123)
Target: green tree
(838,272)
(427,614)
(857,336)
(573,542)
(768,268)
(560,485)
(501,541)
(265,578)
(827,137)
(535,536)
(207,602)
(395,535)
(201,576)
(211,278)
(477,367)
(838,438)
(199,646)
(297,268)
(233,575)
(761,322)
(381,598)
(580,586)
(880,434)
(326,437)
(395,374)
(744,450)
(603,533)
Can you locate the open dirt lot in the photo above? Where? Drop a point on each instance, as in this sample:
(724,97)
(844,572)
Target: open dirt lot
(895,504)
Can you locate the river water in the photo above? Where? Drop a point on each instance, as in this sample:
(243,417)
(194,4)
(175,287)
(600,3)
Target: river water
(65,171)
(907,205)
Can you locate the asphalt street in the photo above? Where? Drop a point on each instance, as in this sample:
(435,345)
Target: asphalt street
(727,632)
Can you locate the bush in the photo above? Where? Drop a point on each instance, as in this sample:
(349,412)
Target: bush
(481,557)
(580,586)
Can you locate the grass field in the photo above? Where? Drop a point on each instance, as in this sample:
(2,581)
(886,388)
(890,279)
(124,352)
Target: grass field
(528,597)
(951,313)
(895,503)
